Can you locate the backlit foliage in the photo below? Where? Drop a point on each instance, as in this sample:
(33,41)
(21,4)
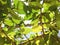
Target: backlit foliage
(29,22)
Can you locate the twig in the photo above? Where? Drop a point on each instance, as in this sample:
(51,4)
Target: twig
(32,40)
(41,23)
(13,42)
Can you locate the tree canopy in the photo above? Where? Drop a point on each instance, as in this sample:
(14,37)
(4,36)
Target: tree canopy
(29,22)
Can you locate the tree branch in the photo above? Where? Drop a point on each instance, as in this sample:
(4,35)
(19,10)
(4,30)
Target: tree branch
(38,37)
(13,42)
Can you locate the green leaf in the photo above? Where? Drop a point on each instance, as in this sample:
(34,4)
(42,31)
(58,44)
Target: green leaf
(17,21)
(11,34)
(46,8)
(28,17)
(8,22)
(26,30)
(5,29)
(51,15)
(46,17)
(20,8)
(16,3)
(13,14)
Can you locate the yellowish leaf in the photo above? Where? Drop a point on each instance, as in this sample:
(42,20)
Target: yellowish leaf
(37,29)
(37,42)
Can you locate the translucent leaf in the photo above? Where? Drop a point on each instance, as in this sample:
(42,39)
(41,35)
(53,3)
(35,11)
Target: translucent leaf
(46,18)
(36,29)
(28,17)
(5,29)
(8,22)
(35,10)
(26,30)
(11,35)
(35,21)
(46,8)
(16,3)
(37,42)
(20,8)
(51,15)
(17,21)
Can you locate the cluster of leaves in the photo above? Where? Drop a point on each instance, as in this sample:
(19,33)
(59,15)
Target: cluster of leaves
(43,17)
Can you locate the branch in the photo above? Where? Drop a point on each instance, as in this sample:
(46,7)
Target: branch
(38,37)
(13,42)
(41,15)
(56,38)
(41,22)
